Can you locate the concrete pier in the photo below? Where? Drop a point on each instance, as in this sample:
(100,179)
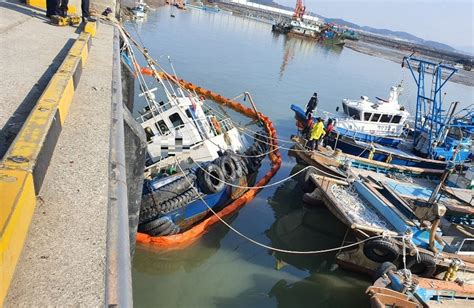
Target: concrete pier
(63,261)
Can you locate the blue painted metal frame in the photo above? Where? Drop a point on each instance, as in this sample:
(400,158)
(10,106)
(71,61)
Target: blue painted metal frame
(429,122)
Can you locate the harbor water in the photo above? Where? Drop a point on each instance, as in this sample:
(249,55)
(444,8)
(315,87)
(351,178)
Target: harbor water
(229,54)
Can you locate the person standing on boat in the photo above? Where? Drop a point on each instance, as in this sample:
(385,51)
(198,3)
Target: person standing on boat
(316,134)
(312,104)
(308,126)
(329,129)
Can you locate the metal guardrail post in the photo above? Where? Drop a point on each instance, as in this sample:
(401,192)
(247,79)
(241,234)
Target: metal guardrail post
(118,280)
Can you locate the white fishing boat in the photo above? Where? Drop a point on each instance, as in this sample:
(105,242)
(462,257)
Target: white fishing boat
(382,122)
(197,159)
(182,127)
(384,117)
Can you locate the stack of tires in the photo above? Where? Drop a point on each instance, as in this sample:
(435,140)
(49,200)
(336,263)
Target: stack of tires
(165,199)
(212,178)
(257,152)
(382,250)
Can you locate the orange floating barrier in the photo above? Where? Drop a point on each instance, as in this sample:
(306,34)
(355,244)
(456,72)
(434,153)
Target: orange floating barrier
(182,240)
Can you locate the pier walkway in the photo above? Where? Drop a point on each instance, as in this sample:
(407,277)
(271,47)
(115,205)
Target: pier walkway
(63,259)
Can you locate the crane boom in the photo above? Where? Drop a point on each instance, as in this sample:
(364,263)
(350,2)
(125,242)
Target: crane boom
(299,10)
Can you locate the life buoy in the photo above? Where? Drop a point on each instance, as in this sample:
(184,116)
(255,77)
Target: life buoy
(211,179)
(228,167)
(381,250)
(424,267)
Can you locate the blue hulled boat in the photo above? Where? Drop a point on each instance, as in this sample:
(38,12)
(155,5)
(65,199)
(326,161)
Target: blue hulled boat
(197,160)
(379,131)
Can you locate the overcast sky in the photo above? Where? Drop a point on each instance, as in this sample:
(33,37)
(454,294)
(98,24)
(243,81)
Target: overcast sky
(446,21)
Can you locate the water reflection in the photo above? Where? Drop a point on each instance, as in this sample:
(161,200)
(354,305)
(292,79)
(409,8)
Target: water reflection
(304,48)
(151,259)
(300,228)
(335,291)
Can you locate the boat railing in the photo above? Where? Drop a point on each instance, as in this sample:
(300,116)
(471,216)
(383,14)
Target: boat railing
(155,109)
(185,131)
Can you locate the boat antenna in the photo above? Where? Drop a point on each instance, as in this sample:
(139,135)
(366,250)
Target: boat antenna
(175,75)
(169,83)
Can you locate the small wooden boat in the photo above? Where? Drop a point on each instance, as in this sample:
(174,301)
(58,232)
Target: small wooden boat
(370,210)
(332,161)
(394,288)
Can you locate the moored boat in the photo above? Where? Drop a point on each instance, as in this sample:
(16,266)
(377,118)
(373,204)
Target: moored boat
(316,30)
(199,164)
(331,162)
(394,288)
(438,137)
(392,230)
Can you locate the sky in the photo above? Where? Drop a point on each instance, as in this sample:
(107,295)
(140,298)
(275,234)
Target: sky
(446,21)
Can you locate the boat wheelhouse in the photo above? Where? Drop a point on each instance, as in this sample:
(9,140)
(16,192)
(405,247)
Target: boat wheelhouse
(184,127)
(385,118)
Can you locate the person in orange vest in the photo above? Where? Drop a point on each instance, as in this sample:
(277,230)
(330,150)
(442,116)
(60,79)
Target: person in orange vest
(316,134)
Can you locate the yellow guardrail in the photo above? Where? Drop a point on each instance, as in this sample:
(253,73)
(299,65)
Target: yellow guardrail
(24,166)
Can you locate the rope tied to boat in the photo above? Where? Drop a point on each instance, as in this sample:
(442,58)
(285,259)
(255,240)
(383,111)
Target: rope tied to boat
(275,249)
(261,186)
(407,240)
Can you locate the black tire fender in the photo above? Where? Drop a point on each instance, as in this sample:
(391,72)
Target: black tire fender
(159,230)
(211,179)
(381,250)
(153,224)
(228,167)
(426,267)
(167,231)
(383,269)
(239,172)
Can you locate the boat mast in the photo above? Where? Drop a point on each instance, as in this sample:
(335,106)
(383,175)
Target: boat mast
(429,121)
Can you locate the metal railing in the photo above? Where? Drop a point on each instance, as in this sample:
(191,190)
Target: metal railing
(118,279)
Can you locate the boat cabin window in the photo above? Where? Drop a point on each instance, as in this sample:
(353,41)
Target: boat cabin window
(188,113)
(376,117)
(367,116)
(396,119)
(162,127)
(385,118)
(176,120)
(354,113)
(344,106)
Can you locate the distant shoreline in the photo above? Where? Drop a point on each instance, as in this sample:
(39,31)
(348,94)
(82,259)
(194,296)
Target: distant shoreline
(377,45)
